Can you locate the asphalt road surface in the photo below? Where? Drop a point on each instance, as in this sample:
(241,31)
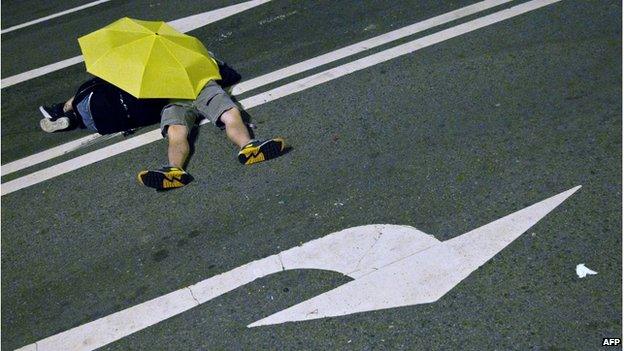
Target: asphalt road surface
(445,138)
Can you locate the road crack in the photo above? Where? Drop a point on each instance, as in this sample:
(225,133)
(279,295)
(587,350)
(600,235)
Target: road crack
(359,262)
(193,295)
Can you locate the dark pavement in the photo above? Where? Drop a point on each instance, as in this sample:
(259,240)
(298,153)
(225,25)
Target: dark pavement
(445,139)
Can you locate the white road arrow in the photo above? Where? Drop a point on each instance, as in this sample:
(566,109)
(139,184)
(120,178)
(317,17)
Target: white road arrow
(392,266)
(400,266)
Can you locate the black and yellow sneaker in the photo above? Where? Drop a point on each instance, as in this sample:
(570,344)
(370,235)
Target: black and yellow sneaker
(165,178)
(257,151)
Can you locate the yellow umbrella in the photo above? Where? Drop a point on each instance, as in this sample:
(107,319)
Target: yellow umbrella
(148,59)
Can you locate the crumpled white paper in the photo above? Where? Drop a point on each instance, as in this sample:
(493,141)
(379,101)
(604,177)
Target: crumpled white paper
(583,271)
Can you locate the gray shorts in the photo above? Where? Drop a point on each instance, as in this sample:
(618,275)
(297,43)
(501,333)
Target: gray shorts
(211,102)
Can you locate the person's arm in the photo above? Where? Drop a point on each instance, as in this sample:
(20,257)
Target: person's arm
(68,105)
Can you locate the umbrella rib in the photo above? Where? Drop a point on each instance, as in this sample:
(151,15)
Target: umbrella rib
(176,59)
(128,31)
(171,31)
(181,46)
(151,51)
(114,48)
(173,55)
(137,22)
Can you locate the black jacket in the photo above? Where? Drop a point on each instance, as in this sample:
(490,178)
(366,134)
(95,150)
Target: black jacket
(113,110)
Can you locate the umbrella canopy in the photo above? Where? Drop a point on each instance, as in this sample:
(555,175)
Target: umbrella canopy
(148,59)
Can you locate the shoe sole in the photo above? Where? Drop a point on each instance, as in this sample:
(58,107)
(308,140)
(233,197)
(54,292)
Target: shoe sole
(163,181)
(51,126)
(269,149)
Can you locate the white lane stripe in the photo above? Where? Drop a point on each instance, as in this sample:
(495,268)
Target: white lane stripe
(365,45)
(394,52)
(37,72)
(284,72)
(285,90)
(193,22)
(59,14)
(186,24)
(113,327)
(80,161)
(50,153)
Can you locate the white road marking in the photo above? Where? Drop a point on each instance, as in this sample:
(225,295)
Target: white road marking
(184,24)
(59,14)
(110,328)
(193,22)
(392,266)
(189,23)
(37,72)
(364,45)
(51,153)
(288,89)
(422,277)
(80,161)
(396,51)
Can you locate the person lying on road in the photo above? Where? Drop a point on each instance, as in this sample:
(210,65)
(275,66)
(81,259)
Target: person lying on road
(103,108)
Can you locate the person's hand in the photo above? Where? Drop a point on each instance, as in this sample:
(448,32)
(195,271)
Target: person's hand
(68,105)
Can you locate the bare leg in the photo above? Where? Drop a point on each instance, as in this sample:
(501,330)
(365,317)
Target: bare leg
(235,128)
(178,148)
